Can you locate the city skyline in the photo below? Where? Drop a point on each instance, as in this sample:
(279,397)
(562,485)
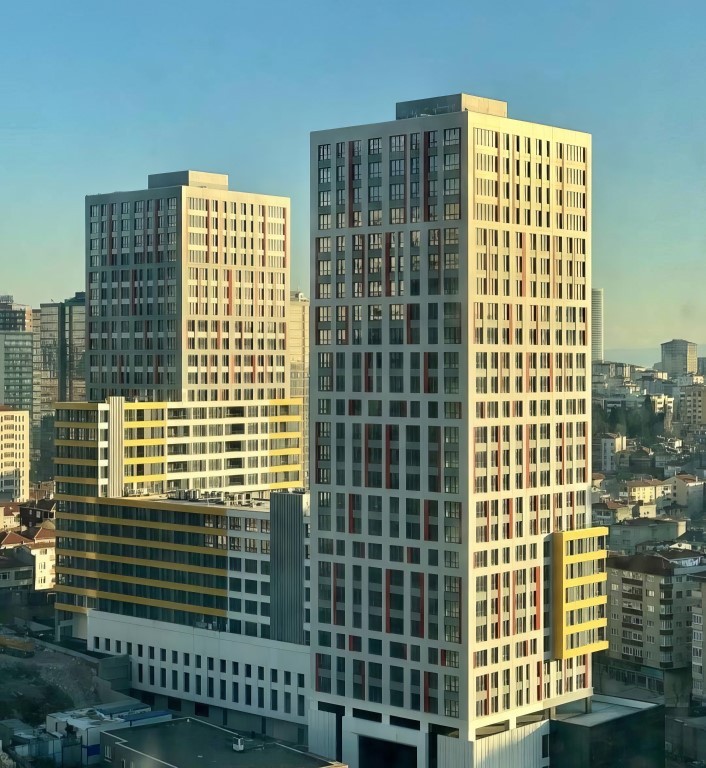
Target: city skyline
(96,84)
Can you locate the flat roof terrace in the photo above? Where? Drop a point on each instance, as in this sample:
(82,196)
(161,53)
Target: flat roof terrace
(192,743)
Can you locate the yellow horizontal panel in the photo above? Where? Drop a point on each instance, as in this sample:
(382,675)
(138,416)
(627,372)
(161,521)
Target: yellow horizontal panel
(66,607)
(77,480)
(585,626)
(584,533)
(77,443)
(142,561)
(145,441)
(140,543)
(140,600)
(587,602)
(570,653)
(142,524)
(578,581)
(148,582)
(584,557)
(76,462)
(71,497)
(144,459)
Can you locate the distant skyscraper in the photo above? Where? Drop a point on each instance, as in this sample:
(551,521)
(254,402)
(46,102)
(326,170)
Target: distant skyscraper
(597,351)
(298,346)
(679,357)
(59,372)
(456,586)
(14,317)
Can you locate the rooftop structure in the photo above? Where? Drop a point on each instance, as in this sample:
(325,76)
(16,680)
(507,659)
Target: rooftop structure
(189,742)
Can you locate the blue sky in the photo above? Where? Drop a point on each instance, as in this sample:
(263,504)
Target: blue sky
(95,96)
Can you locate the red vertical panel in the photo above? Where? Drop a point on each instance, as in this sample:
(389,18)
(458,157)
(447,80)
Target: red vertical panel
(388,266)
(426,691)
(426,520)
(350,513)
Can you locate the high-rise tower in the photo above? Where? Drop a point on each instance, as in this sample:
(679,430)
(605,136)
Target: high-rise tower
(457,589)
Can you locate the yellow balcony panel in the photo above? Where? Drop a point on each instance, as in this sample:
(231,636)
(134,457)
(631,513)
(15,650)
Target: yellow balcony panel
(142,524)
(146,543)
(141,561)
(599,645)
(142,601)
(159,584)
(562,560)
(58,605)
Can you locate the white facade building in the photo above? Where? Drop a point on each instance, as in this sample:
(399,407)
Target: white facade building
(450,429)
(14,454)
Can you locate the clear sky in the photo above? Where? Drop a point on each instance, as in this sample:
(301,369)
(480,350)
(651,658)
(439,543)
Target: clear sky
(94,96)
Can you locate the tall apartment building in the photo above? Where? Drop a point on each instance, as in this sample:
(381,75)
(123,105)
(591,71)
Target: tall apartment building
(189,420)
(16,370)
(14,454)
(14,317)
(59,370)
(679,357)
(458,592)
(597,351)
(298,347)
(188,286)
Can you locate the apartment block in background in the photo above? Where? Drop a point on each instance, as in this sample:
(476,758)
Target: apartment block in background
(16,370)
(679,357)
(14,317)
(188,288)
(458,590)
(298,347)
(59,370)
(606,447)
(651,598)
(14,454)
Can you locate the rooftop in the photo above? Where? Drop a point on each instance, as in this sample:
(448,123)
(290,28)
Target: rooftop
(188,742)
(443,105)
(603,710)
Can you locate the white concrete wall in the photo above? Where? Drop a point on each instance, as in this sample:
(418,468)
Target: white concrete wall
(256,652)
(322,733)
